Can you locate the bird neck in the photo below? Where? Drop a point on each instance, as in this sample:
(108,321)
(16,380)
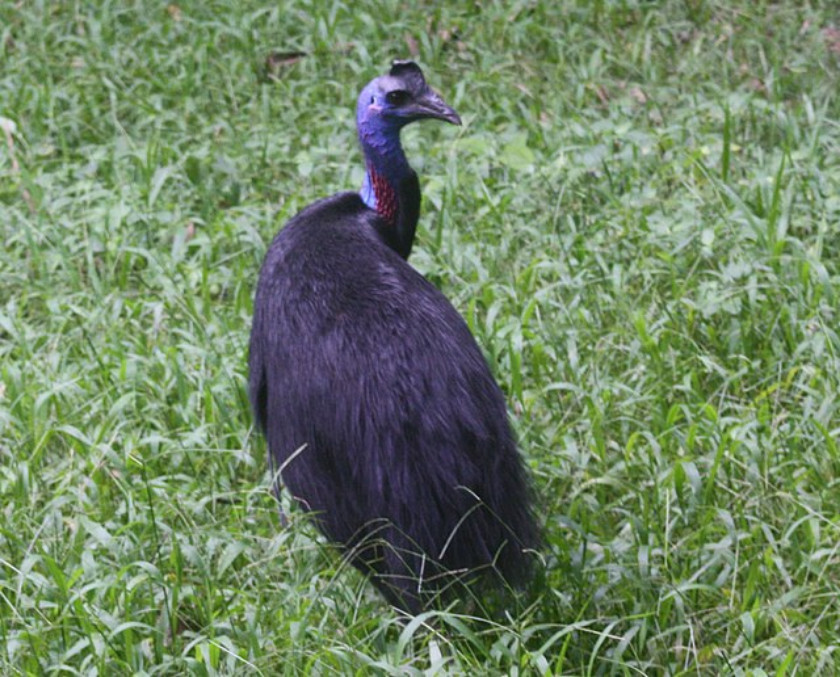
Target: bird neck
(390,188)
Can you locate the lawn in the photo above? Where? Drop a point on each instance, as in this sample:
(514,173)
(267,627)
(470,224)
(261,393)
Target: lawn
(640,221)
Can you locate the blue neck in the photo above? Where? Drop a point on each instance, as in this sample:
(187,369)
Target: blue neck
(384,156)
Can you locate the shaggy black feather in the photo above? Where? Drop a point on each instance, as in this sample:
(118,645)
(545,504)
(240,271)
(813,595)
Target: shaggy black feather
(379,409)
(406,446)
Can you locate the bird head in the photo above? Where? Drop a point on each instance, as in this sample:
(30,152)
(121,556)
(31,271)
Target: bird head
(391,101)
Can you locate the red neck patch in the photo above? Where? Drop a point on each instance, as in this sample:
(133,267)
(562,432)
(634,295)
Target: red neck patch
(386,197)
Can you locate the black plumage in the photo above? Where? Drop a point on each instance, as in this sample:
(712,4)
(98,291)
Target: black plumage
(377,404)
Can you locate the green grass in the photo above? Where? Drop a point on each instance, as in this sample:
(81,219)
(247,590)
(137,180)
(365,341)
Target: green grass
(640,219)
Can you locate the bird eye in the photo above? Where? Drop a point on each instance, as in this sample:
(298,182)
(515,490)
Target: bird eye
(397,98)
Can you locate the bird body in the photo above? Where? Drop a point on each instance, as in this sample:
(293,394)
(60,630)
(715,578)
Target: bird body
(377,404)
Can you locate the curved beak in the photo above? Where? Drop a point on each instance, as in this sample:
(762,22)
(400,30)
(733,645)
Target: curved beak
(431,105)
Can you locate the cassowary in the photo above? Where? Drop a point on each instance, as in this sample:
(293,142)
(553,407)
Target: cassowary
(378,407)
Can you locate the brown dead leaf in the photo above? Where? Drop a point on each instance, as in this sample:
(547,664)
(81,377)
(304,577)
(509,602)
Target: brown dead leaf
(189,234)
(413,47)
(602,94)
(278,59)
(448,34)
(522,88)
(757,85)
(451,37)
(638,95)
(174,12)
(831,36)
(277,62)
(685,36)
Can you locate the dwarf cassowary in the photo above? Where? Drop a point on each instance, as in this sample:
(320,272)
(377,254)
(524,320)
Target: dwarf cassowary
(378,407)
